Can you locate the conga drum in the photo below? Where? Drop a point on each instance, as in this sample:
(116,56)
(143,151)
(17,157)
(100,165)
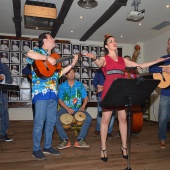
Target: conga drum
(66,120)
(80,118)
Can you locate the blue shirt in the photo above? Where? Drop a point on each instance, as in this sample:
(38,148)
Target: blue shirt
(156,69)
(72,96)
(43,89)
(98,80)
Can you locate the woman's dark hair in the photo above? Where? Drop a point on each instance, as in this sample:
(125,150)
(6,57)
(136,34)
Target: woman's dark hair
(41,37)
(107,36)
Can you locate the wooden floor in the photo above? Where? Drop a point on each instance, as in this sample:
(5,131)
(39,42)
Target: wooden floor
(145,151)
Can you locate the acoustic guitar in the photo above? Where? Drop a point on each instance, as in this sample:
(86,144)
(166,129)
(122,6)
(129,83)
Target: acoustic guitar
(164,78)
(45,69)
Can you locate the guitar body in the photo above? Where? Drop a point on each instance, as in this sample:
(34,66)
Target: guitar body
(45,69)
(137,119)
(164,78)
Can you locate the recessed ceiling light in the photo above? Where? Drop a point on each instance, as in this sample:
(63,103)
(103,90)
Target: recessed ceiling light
(140,23)
(81,17)
(167,6)
(71,30)
(121,36)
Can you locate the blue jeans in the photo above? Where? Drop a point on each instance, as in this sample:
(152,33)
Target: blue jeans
(45,113)
(163,116)
(84,128)
(4,114)
(99,117)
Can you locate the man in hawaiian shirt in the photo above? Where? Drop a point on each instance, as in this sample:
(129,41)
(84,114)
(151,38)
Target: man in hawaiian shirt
(72,99)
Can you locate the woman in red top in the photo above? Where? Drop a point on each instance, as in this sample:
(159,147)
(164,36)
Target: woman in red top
(109,63)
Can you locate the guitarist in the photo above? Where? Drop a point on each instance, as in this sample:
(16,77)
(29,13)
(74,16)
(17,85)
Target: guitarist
(45,96)
(164,103)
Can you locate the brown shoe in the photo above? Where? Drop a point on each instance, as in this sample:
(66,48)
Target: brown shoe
(96,133)
(109,136)
(162,144)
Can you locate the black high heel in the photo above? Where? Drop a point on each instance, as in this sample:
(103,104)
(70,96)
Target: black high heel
(124,156)
(105,159)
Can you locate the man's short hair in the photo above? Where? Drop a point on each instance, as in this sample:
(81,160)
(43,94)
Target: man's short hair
(41,37)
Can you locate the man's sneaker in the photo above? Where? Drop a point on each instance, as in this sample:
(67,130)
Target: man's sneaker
(5,138)
(39,155)
(96,133)
(162,144)
(81,144)
(64,144)
(109,136)
(51,151)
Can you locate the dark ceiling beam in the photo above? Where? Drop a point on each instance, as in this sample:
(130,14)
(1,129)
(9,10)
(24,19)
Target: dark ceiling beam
(105,17)
(17,19)
(61,16)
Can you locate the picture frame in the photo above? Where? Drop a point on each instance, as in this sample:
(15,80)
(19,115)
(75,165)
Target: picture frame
(66,48)
(75,49)
(84,49)
(4,44)
(35,45)
(57,48)
(15,57)
(15,45)
(15,69)
(26,45)
(4,57)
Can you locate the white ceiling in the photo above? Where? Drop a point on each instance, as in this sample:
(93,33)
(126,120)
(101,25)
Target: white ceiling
(155,13)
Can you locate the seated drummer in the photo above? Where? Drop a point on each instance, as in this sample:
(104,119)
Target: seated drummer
(72,99)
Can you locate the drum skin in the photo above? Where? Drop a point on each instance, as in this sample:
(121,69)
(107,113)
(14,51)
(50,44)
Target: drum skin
(80,117)
(66,120)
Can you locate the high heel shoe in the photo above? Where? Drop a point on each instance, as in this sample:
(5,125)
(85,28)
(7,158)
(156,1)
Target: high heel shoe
(124,156)
(104,158)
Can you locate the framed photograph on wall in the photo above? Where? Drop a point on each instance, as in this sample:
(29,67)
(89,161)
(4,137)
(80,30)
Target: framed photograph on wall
(16,81)
(25,94)
(25,83)
(15,69)
(77,72)
(84,49)
(75,49)
(15,45)
(4,44)
(85,73)
(85,83)
(66,48)
(85,61)
(66,62)
(94,50)
(14,57)
(57,48)
(24,58)
(13,96)
(35,45)
(4,57)
(26,45)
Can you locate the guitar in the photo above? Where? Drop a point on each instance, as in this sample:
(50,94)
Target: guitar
(163,77)
(45,69)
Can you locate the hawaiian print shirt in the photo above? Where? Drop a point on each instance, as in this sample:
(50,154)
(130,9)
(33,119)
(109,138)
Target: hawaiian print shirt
(43,89)
(72,96)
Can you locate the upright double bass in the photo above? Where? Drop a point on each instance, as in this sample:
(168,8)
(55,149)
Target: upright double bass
(137,115)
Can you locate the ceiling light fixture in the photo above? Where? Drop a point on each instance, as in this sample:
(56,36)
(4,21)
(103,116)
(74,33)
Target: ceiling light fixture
(87,4)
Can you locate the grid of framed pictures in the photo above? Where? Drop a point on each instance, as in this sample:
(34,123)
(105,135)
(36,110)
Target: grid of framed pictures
(13,53)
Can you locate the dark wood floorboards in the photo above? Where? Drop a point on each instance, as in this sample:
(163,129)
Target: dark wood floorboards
(145,151)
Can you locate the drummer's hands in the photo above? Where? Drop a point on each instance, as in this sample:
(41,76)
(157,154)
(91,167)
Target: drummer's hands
(81,108)
(70,110)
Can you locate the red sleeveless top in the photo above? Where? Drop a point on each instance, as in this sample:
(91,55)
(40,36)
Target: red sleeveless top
(112,65)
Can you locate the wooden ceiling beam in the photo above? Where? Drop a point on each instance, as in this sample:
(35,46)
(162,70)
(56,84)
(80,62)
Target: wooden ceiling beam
(61,16)
(17,19)
(105,17)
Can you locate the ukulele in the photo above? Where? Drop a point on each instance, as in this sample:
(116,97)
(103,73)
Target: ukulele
(163,77)
(44,69)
